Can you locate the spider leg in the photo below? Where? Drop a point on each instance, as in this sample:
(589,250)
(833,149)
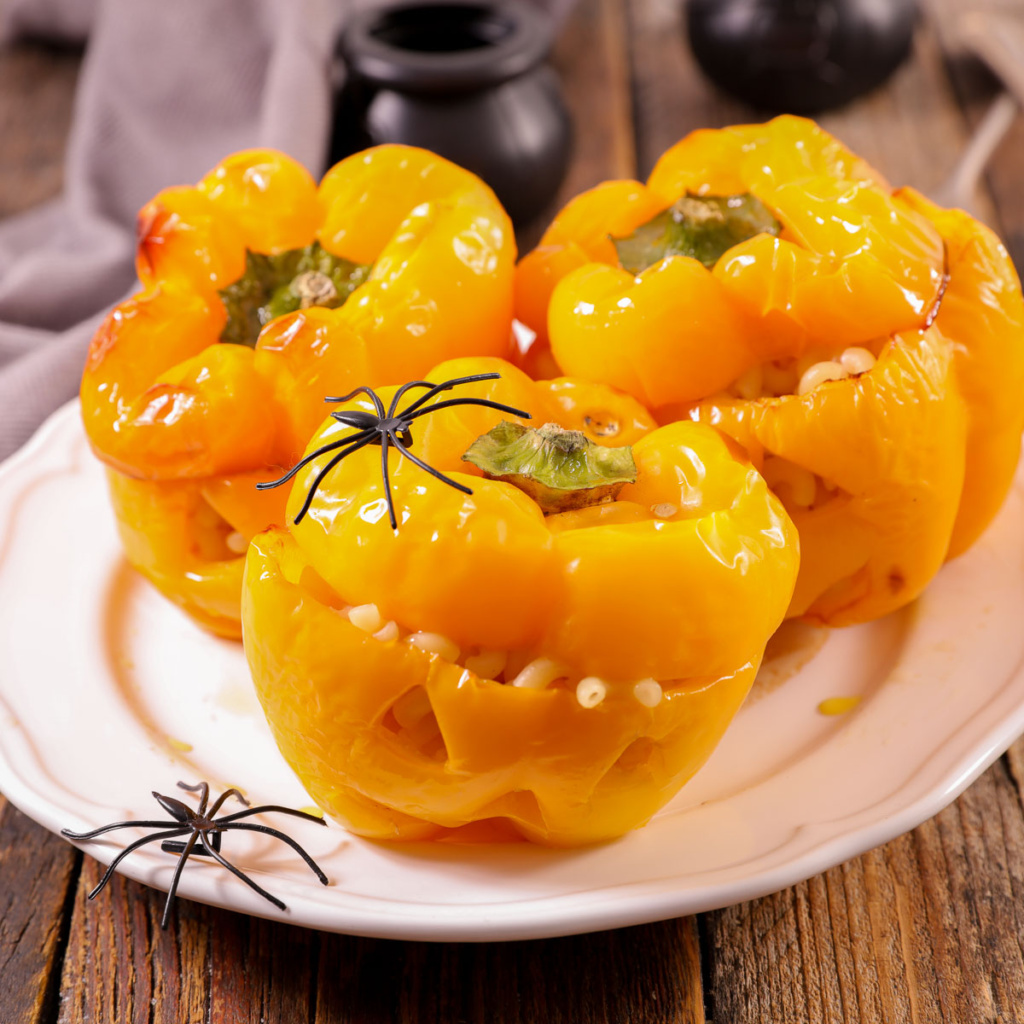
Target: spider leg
(266,808)
(80,836)
(239,874)
(176,846)
(266,830)
(430,469)
(364,390)
(448,385)
(131,848)
(393,407)
(219,802)
(178,868)
(385,438)
(323,472)
(486,402)
(266,485)
(203,788)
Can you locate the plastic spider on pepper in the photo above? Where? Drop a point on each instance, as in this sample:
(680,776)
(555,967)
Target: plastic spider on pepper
(865,347)
(258,288)
(554,653)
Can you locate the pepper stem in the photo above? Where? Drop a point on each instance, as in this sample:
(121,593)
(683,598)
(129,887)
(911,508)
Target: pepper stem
(702,227)
(274,285)
(560,469)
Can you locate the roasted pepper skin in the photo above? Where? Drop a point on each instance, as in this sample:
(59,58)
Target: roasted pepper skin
(853,262)
(610,590)
(168,405)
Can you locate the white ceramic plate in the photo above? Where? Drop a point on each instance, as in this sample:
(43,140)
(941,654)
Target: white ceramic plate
(108,692)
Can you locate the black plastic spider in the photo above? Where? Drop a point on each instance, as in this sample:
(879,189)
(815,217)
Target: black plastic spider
(202,826)
(389,428)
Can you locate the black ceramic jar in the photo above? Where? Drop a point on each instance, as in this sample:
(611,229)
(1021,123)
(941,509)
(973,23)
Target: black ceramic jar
(465,79)
(799,56)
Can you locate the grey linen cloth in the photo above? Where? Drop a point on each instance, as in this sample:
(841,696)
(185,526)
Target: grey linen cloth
(167,88)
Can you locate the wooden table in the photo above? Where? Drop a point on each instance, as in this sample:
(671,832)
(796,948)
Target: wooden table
(927,928)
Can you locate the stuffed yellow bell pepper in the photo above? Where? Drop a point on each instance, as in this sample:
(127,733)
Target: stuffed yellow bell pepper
(552,638)
(866,347)
(260,293)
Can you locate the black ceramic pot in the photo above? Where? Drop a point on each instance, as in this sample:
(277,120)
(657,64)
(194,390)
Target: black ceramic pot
(466,79)
(801,56)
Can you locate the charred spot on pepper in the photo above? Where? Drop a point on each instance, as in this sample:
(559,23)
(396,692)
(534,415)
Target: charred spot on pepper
(896,580)
(389,428)
(702,227)
(602,424)
(560,469)
(272,286)
(940,293)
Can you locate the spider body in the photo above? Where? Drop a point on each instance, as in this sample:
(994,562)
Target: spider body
(203,829)
(389,428)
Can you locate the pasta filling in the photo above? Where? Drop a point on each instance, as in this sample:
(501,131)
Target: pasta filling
(520,669)
(801,376)
(796,486)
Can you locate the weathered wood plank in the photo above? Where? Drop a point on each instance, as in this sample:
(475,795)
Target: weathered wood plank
(1015,764)
(644,975)
(592,61)
(37,873)
(928,928)
(213,965)
(591,57)
(210,965)
(261,971)
(671,95)
(119,966)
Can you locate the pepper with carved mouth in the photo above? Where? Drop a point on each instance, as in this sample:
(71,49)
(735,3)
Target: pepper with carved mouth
(550,637)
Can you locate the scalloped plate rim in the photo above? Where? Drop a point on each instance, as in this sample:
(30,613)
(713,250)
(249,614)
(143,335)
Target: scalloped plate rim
(626,903)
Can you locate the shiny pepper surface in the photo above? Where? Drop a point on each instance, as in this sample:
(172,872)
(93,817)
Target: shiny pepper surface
(887,473)
(682,579)
(187,422)
(852,262)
